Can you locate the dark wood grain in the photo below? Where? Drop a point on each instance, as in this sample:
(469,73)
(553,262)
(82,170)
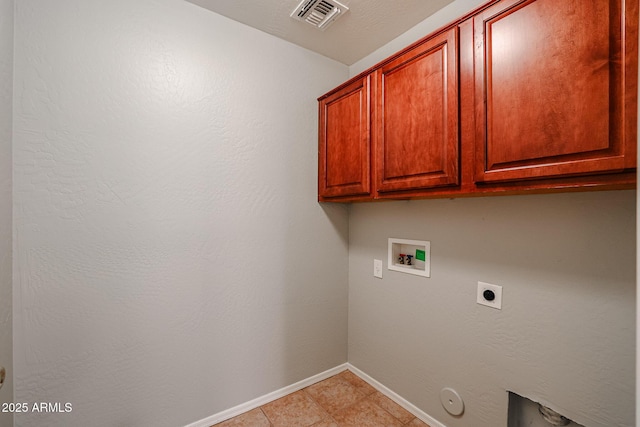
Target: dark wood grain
(550,89)
(516,97)
(344,162)
(416,125)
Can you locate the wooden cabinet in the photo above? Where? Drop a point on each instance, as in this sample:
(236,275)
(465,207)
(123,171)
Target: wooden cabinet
(344,160)
(398,124)
(554,93)
(518,96)
(416,121)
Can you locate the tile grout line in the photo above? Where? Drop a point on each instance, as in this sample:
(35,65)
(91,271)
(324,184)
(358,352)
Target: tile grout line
(265,415)
(318,403)
(368,396)
(372,394)
(304,390)
(245,407)
(411,408)
(365,396)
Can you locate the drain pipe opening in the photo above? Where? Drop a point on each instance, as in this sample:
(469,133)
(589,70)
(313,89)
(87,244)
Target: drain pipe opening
(552,417)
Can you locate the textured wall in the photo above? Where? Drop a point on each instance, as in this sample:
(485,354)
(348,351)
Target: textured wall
(6,88)
(171,258)
(565,336)
(567,263)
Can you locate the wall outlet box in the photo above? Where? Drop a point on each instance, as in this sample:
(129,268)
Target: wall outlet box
(489,295)
(409,256)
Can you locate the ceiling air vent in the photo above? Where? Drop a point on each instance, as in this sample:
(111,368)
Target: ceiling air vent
(319,13)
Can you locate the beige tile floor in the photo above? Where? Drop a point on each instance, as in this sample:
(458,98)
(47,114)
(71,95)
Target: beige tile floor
(344,400)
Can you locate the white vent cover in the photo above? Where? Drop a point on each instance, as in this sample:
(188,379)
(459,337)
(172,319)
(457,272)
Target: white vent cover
(319,13)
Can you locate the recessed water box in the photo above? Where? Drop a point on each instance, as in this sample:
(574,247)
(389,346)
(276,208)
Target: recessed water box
(410,256)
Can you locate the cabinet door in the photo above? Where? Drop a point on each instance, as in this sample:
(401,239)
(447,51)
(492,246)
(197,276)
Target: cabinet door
(556,88)
(416,131)
(344,141)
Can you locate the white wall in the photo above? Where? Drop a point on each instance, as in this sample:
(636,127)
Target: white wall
(567,263)
(171,259)
(156,143)
(6,85)
(565,336)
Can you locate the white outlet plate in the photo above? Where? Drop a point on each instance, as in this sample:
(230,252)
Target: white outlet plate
(377,268)
(497,292)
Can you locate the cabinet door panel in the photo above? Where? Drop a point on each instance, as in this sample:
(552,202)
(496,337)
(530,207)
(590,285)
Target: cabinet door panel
(550,89)
(417,117)
(344,156)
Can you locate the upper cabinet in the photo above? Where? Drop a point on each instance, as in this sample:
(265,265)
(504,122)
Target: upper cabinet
(518,96)
(344,165)
(551,95)
(416,121)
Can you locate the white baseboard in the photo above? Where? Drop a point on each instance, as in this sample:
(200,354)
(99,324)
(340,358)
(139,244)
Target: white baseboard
(396,398)
(263,400)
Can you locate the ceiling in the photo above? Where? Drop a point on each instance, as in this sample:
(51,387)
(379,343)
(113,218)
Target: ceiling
(368,25)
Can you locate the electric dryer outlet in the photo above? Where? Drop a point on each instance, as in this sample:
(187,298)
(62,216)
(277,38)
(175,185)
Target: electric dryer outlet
(490,295)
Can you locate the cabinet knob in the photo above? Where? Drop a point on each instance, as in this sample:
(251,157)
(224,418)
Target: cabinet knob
(3,375)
